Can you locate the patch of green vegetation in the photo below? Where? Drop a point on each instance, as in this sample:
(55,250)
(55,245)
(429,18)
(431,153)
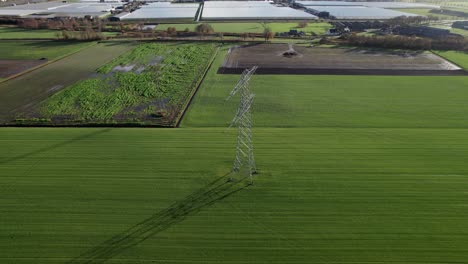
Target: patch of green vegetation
(246,27)
(39,49)
(458,57)
(164,73)
(336,101)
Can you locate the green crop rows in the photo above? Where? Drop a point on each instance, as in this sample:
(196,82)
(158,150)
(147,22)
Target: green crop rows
(149,84)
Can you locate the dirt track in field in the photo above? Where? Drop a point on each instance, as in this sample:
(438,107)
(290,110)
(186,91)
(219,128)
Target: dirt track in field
(288,59)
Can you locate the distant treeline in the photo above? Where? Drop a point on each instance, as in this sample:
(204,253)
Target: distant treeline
(405,42)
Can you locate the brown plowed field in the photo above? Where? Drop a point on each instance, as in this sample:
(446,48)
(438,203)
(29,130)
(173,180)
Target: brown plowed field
(289,59)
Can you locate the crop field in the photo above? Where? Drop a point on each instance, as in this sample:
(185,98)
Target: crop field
(323,195)
(246,27)
(151,84)
(22,33)
(294,59)
(21,96)
(18,33)
(336,101)
(352,169)
(37,49)
(11,67)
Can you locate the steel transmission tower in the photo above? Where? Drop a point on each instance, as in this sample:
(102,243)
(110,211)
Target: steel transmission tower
(244,161)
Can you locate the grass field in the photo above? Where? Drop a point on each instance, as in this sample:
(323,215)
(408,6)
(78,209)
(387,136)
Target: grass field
(458,57)
(364,170)
(24,93)
(317,28)
(13,32)
(322,196)
(18,50)
(337,101)
(22,33)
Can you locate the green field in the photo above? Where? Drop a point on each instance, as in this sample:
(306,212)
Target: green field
(241,27)
(13,32)
(22,33)
(36,49)
(458,57)
(322,196)
(337,101)
(352,169)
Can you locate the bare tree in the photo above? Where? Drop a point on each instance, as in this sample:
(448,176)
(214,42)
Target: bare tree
(204,29)
(302,24)
(268,34)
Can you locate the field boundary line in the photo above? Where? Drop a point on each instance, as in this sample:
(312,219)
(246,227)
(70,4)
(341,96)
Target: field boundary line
(14,76)
(196,88)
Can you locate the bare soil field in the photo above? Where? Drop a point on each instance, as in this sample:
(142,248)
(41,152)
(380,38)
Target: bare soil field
(290,59)
(12,67)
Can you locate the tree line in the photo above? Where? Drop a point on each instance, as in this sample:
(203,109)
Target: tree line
(404,42)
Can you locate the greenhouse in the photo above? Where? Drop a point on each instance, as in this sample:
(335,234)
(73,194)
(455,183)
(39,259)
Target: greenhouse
(228,10)
(163,10)
(396,5)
